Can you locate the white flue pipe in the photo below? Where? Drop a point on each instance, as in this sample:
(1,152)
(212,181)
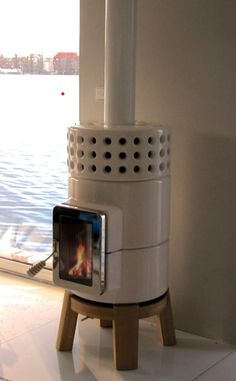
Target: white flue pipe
(120,37)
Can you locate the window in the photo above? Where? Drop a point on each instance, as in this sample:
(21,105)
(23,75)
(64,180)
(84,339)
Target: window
(39,98)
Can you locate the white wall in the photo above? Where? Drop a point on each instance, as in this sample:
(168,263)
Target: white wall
(186,62)
(91,58)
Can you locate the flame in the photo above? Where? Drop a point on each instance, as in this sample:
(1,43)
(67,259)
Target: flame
(80,254)
(83,266)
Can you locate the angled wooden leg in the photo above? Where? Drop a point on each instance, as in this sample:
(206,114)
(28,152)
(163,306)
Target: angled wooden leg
(167,324)
(105,323)
(67,325)
(125,336)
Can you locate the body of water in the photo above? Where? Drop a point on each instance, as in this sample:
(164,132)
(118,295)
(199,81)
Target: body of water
(34,116)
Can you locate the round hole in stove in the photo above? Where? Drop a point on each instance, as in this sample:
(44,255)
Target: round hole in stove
(151,140)
(93,140)
(122,169)
(107,169)
(162,152)
(80,139)
(151,168)
(162,139)
(93,168)
(80,153)
(93,154)
(107,141)
(136,155)
(136,141)
(122,155)
(80,167)
(122,141)
(162,167)
(107,155)
(151,154)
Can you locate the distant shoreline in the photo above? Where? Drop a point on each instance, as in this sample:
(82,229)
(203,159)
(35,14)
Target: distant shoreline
(51,74)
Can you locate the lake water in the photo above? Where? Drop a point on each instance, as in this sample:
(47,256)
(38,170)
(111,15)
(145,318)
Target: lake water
(34,116)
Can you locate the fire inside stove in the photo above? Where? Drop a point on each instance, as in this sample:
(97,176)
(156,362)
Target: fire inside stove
(76,247)
(79,236)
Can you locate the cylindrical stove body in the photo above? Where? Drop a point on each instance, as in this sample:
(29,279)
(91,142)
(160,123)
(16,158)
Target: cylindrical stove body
(128,168)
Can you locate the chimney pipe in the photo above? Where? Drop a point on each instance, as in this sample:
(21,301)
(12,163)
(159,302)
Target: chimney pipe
(120,37)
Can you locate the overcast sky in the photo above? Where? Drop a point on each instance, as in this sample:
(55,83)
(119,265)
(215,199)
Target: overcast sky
(39,26)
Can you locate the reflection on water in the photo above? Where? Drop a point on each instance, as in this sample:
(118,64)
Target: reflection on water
(34,118)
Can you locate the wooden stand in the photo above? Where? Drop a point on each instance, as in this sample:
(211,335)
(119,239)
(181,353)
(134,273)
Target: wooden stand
(125,319)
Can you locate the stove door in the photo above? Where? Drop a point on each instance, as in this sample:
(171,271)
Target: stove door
(79,242)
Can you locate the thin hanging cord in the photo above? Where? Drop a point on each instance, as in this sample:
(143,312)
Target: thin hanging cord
(34,269)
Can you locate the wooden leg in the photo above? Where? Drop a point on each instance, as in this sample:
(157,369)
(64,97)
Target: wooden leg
(125,336)
(106,323)
(67,325)
(167,324)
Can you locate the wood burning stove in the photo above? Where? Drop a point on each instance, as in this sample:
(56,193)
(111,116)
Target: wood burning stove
(115,225)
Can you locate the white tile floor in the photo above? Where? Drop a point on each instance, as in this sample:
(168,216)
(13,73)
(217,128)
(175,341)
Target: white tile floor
(29,313)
